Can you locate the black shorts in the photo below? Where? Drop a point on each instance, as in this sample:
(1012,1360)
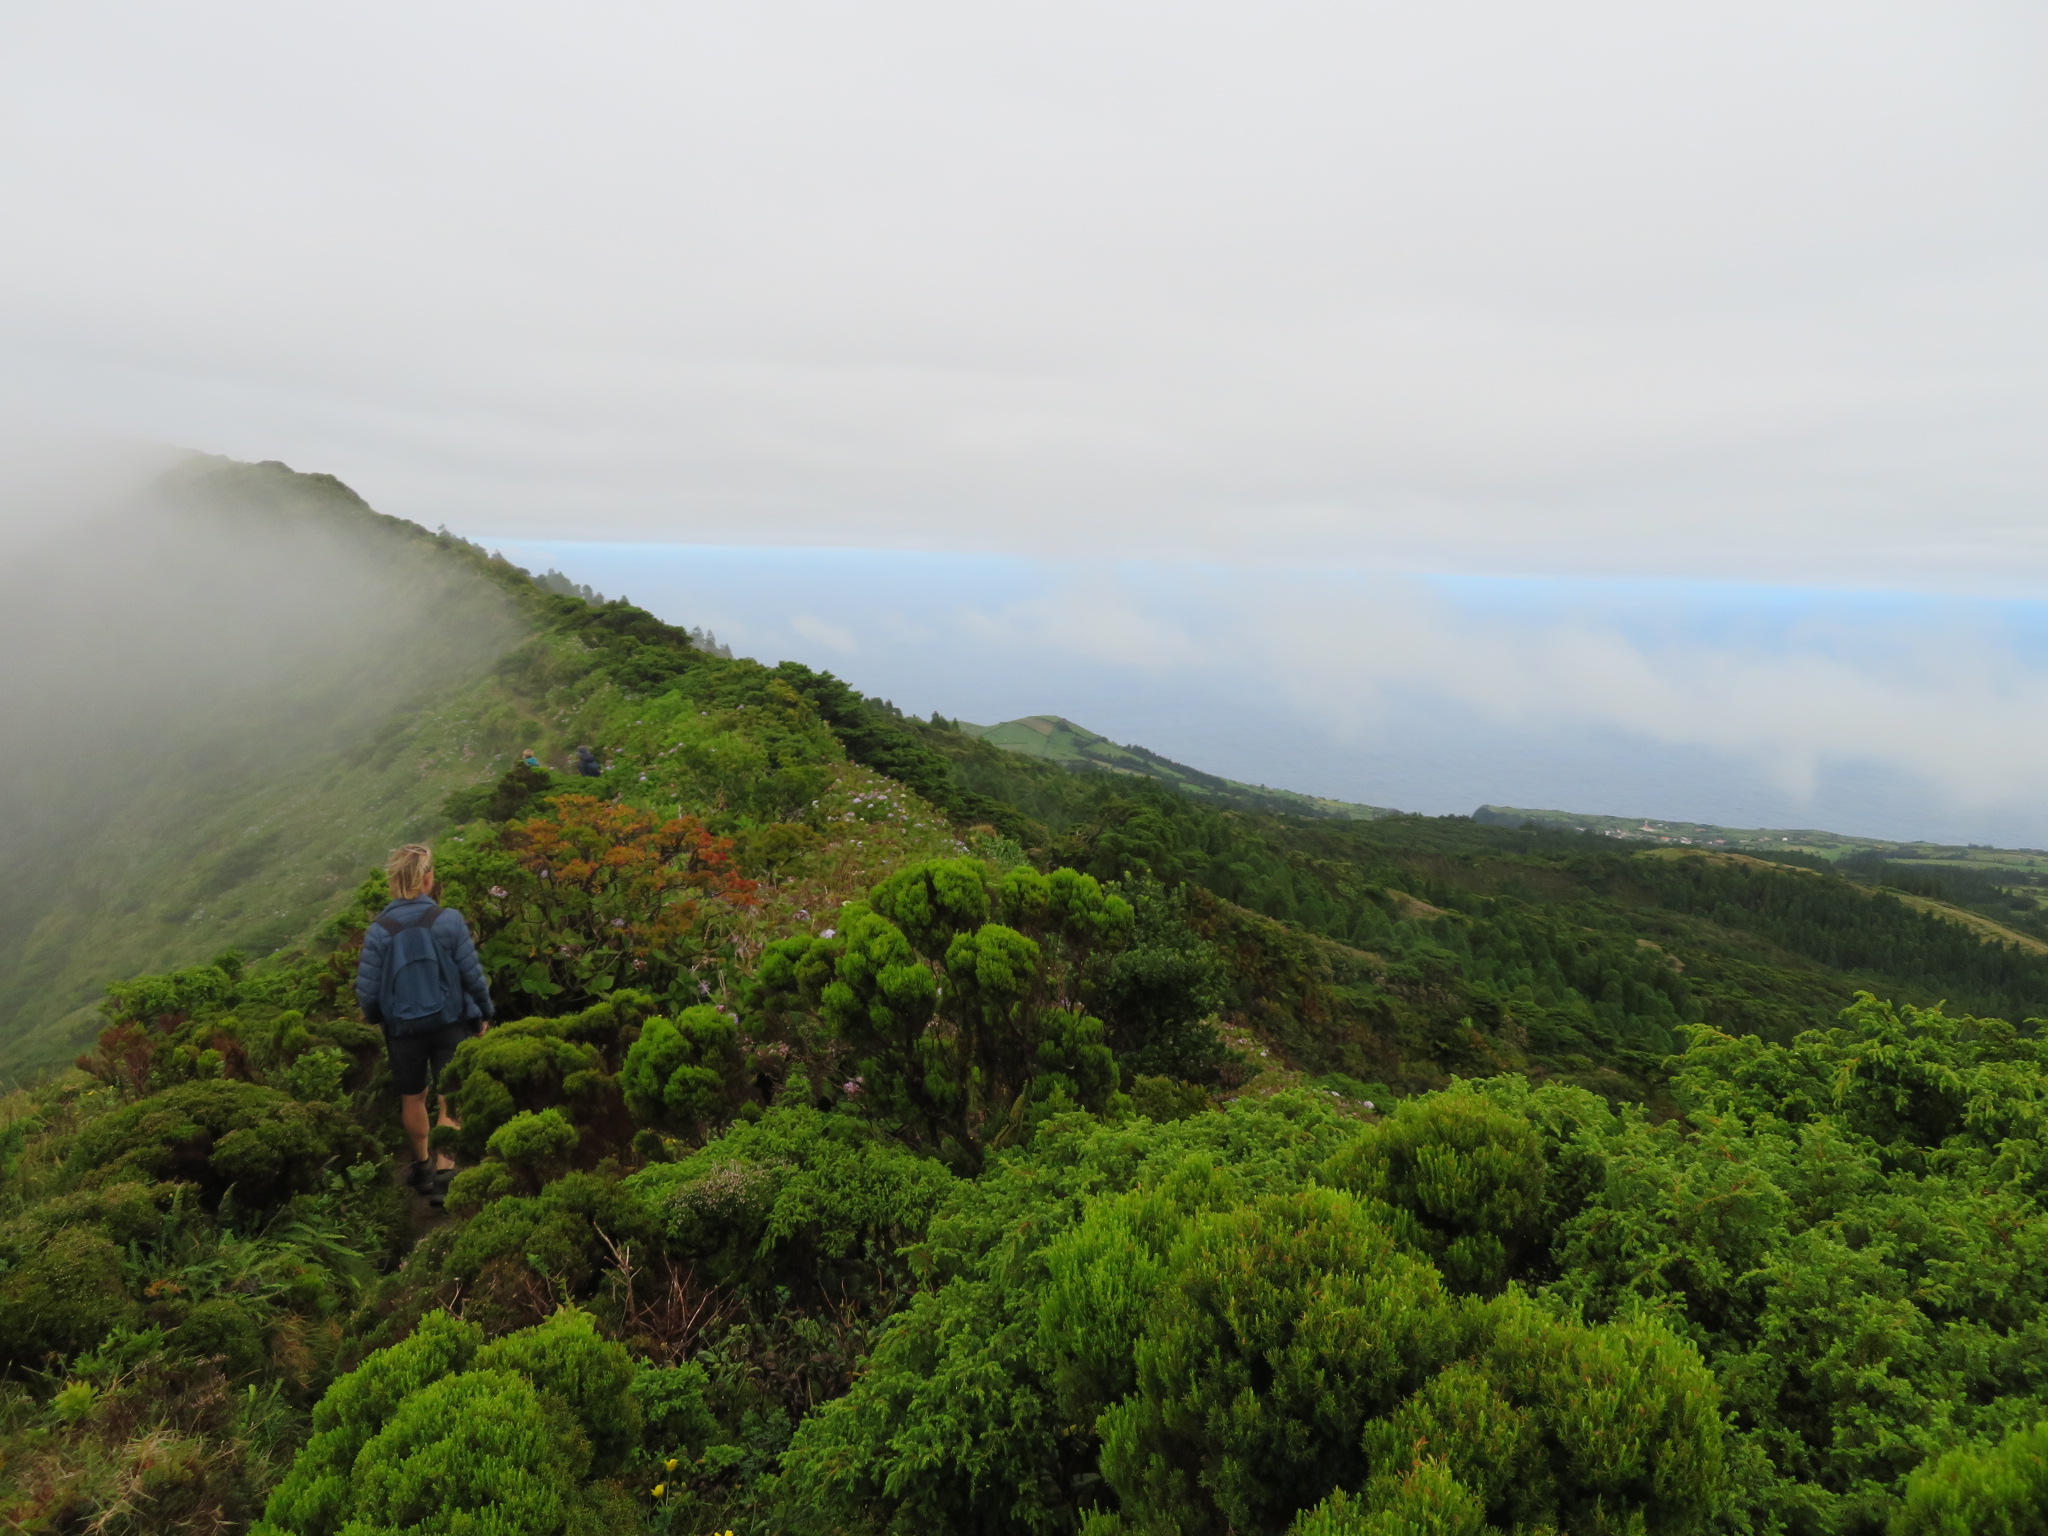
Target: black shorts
(416,1059)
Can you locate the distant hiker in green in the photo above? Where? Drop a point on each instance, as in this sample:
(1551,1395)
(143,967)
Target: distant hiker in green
(419,979)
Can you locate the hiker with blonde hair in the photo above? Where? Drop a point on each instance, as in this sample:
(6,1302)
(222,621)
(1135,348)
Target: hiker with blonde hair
(419,978)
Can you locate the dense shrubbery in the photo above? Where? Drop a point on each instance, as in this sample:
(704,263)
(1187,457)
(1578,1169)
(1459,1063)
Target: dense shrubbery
(1215,1339)
(951,1026)
(445,1432)
(589,897)
(802,1202)
(536,1064)
(1804,1305)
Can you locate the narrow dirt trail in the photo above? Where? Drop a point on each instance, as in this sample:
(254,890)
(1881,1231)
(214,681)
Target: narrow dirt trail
(422,1216)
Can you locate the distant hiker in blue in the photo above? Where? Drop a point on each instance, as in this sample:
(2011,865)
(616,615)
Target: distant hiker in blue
(419,979)
(587,763)
(529,759)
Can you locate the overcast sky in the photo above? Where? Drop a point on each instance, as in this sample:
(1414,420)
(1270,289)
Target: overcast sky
(1751,288)
(1188,300)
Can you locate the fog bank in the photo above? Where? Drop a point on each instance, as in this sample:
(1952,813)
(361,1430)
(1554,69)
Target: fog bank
(193,661)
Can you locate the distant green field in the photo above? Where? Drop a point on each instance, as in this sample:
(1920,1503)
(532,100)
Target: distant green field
(1082,750)
(1826,845)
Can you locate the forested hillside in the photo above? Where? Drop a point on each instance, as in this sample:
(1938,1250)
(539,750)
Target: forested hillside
(887,1132)
(1081,750)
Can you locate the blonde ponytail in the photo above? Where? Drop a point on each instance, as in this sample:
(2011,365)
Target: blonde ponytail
(411,870)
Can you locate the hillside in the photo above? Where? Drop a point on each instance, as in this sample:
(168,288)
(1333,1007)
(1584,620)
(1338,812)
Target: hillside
(886,1130)
(1995,892)
(1082,750)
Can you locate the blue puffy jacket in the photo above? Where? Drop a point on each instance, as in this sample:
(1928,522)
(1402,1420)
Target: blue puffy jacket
(451,934)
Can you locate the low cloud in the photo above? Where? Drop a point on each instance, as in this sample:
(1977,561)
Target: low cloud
(834,636)
(1896,713)
(1093,616)
(1931,689)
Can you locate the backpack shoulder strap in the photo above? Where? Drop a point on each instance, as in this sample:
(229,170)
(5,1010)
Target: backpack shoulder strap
(394,926)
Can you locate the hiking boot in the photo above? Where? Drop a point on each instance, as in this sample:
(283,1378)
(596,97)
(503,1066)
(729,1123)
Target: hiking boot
(437,1195)
(420,1178)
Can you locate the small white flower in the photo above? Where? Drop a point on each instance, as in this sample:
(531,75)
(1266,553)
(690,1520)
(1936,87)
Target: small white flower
(828,933)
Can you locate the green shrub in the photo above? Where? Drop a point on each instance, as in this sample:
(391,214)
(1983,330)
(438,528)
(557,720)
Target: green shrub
(223,1329)
(514,793)
(684,1075)
(129,1211)
(520,1253)
(1555,1424)
(1282,1329)
(568,1064)
(224,1135)
(978,1407)
(534,1146)
(1471,1175)
(1426,1500)
(174,995)
(566,1358)
(677,1421)
(477,1451)
(952,1024)
(1979,1490)
(474,1188)
(1159,993)
(65,1295)
(317,1495)
(801,1199)
(932,903)
(319,1073)
(441,1434)
(1168,1098)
